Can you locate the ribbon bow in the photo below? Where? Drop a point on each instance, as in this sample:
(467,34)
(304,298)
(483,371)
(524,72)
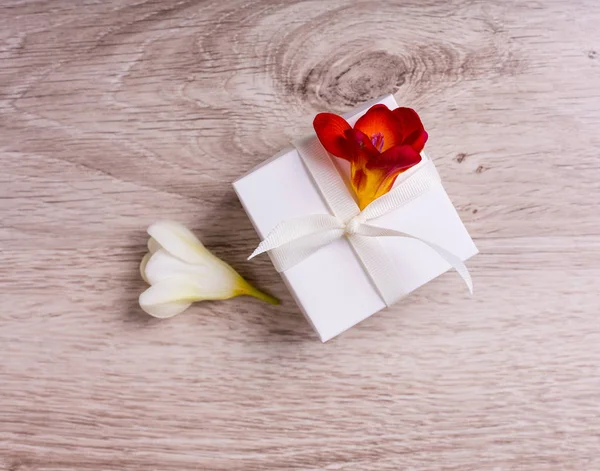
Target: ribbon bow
(293,240)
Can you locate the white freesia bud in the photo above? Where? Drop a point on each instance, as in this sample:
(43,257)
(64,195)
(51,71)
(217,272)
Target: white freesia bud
(180,271)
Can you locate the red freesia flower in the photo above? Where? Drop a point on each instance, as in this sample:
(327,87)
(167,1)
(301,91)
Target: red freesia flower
(383,144)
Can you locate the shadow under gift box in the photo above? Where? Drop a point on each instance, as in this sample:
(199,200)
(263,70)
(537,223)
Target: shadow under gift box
(331,286)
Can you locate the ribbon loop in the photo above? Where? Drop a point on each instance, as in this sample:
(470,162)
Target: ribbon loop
(293,240)
(293,229)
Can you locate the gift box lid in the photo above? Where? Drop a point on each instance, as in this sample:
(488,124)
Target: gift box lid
(331,286)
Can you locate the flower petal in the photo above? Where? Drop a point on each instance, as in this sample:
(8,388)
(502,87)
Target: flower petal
(164,311)
(417,140)
(180,242)
(167,298)
(214,281)
(369,181)
(412,128)
(143,264)
(360,143)
(397,158)
(162,265)
(153,246)
(378,122)
(380,173)
(170,296)
(330,130)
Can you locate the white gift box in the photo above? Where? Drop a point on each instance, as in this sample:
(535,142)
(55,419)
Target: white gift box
(331,286)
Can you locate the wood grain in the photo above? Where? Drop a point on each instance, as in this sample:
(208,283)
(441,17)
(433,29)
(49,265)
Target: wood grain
(114,114)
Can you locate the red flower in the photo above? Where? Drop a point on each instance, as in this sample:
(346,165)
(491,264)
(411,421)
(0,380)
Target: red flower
(383,144)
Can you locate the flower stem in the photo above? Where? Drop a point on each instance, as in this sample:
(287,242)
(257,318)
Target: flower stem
(265,297)
(252,291)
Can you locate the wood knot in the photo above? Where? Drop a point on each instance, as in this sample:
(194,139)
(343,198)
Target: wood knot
(353,79)
(460,157)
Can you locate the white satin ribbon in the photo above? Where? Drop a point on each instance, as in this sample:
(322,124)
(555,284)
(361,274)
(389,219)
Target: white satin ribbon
(293,240)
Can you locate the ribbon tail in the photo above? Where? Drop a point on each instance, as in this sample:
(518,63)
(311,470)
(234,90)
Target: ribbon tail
(264,246)
(453,260)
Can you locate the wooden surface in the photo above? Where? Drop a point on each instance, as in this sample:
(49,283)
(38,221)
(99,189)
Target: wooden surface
(114,114)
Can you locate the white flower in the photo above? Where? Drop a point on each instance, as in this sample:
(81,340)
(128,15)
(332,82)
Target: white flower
(180,271)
